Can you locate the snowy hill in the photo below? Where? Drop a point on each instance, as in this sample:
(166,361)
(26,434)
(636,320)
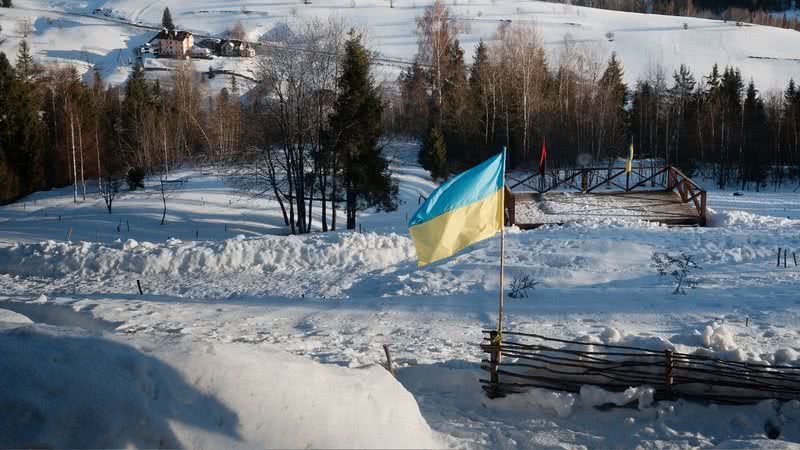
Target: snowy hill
(68,31)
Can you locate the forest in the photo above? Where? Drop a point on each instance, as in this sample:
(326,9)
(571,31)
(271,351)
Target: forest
(311,132)
(762,12)
(515,95)
(307,135)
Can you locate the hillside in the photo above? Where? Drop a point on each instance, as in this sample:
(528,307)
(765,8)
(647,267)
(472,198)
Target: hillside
(68,31)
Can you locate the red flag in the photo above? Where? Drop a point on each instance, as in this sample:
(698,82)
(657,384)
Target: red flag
(542,157)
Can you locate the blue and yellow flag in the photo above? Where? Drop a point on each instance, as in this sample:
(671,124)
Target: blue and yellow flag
(464,210)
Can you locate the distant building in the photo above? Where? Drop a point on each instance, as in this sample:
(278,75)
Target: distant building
(233,47)
(173,44)
(201,52)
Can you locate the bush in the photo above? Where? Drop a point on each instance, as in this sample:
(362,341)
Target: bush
(135,178)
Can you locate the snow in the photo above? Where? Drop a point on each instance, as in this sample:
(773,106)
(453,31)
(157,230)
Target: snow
(68,32)
(69,388)
(12,317)
(222,312)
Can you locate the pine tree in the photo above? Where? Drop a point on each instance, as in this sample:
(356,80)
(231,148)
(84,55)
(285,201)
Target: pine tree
(756,139)
(357,123)
(26,66)
(615,92)
(23,133)
(7,4)
(8,185)
(614,82)
(414,100)
(166,20)
(434,154)
(478,97)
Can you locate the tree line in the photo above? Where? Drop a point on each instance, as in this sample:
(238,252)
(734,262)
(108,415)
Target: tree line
(762,12)
(577,101)
(308,135)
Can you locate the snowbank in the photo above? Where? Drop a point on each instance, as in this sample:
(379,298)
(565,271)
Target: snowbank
(10,317)
(67,388)
(264,255)
(731,217)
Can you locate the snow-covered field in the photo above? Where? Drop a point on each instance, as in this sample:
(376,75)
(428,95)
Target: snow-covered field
(67,31)
(246,337)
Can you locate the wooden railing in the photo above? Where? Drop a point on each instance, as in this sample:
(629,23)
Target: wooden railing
(520,361)
(588,179)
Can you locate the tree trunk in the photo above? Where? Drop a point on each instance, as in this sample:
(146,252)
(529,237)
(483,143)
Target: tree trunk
(80,147)
(74,160)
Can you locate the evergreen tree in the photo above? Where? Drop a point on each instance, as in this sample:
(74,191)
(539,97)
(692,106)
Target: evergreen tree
(357,123)
(479,102)
(23,135)
(414,100)
(455,117)
(166,20)
(26,67)
(7,4)
(613,80)
(8,178)
(615,94)
(682,94)
(434,154)
(756,140)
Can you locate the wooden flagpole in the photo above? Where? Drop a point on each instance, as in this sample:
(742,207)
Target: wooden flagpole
(502,249)
(497,336)
(502,272)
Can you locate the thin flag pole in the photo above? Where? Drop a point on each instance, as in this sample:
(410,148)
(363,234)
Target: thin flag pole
(502,269)
(502,251)
(497,336)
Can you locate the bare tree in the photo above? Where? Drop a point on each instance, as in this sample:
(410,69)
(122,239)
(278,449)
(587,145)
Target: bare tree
(435,38)
(166,191)
(295,96)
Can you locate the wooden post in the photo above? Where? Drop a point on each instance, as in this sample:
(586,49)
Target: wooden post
(668,374)
(139,285)
(584,180)
(510,207)
(389,365)
(795,258)
(494,391)
(785,256)
(779,256)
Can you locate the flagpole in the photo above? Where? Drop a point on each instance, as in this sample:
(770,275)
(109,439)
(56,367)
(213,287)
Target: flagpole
(502,252)
(497,336)
(502,270)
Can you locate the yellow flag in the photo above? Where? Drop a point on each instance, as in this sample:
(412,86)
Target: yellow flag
(629,163)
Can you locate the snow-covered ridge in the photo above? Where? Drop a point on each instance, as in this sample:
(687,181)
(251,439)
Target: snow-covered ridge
(65,34)
(334,252)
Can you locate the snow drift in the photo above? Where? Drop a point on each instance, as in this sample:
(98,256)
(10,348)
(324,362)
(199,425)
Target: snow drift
(68,388)
(264,254)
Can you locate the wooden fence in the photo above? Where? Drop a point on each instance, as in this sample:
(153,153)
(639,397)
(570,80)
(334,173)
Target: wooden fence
(520,361)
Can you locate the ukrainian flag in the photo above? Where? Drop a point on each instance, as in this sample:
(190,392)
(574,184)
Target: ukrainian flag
(464,210)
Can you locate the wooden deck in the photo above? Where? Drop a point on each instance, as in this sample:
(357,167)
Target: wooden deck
(532,210)
(661,194)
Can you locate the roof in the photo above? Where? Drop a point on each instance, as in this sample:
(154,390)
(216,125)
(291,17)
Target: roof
(171,35)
